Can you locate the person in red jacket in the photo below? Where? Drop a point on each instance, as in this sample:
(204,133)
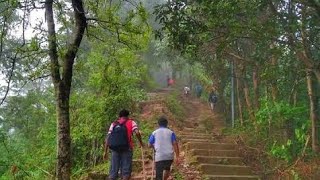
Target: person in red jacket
(123,159)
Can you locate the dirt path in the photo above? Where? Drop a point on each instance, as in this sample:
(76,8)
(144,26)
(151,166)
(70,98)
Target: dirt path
(205,152)
(215,155)
(194,109)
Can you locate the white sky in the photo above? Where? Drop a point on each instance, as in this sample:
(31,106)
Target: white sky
(35,17)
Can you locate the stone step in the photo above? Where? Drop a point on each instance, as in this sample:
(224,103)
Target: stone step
(141,177)
(96,176)
(137,165)
(231,177)
(185,140)
(203,134)
(219,160)
(218,153)
(219,169)
(194,130)
(225,140)
(212,146)
(195,137)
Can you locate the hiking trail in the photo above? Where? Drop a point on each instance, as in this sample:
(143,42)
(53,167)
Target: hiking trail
(205,152)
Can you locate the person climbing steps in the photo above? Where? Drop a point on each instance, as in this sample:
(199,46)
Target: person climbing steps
(164,142)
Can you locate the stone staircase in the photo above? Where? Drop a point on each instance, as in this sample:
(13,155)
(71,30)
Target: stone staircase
(216,158)
(137,167)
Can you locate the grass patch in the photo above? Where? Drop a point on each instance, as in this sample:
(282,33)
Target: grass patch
(207,123)
(177,175)
(175,107)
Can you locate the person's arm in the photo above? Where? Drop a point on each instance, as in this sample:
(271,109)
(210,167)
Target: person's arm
(151,141)
(136,131)
(175,147)
(138,135)
(106,144)
(106,148)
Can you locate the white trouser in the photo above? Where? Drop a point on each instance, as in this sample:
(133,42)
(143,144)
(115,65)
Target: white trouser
(212,105)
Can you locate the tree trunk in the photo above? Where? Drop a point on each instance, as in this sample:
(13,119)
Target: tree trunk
(248,101)
(62,83)
(255,79)
(239,94)
(239,99)
(274,87)
(63,167)
(313,111)
(247,95)
(293,93)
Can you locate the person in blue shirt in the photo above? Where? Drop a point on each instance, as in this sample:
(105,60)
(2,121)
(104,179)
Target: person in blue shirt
(165,145)
(198,89)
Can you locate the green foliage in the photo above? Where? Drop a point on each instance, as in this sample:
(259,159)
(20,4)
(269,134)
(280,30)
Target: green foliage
(113,83)
(28,131)
(200,74)
(282,151)
(277,116)
(295,175)
(278,113)
(177,175)
(174,106)
(108,76)
(109,73)
(146,127)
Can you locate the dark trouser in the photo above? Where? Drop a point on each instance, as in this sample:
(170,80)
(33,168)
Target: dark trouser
(120,161)
(161,166)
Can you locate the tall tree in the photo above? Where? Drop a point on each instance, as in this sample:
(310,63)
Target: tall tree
(62,78)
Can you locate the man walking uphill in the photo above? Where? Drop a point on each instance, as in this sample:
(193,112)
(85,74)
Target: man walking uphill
(119,140)
(198,89)
(213,98)
(164,142)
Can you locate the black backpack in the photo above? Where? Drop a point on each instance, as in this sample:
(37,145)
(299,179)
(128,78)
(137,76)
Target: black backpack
(118,138)
(214,98)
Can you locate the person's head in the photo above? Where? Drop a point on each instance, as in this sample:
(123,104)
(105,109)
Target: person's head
(162,121)
(124,113)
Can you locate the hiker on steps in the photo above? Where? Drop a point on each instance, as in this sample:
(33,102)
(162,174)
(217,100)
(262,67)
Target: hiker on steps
(213,99)
(198,89)
(186,91)
(165,145)
(119,140)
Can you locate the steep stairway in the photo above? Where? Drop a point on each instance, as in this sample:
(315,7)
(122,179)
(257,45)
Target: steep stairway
(138,172)
(217,158)
(206,153)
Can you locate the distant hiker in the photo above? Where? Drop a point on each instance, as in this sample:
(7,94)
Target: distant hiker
(171,82)
(186,91)
(168,81)
(198,89)
(119,140)
(213,99)
(165,144)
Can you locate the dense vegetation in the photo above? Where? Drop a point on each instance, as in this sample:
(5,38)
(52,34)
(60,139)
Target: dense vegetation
(271,50)
(67,67)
